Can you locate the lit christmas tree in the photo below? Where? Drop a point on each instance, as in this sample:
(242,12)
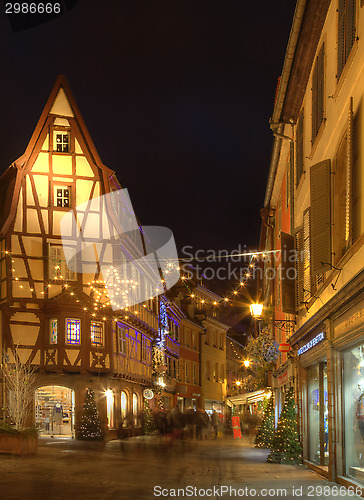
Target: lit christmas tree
(264,438)
(90,426)
(148,422)
(286,447)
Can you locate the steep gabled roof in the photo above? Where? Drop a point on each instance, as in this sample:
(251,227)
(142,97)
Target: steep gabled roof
(61,102)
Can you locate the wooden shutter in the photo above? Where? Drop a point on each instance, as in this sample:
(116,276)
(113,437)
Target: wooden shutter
(287,277)
(320,227)
(298,245)
(349,168)
(318,93)
(299,147)
(346,32)
(350,26)
(306,256)
(341,38)
(356,178)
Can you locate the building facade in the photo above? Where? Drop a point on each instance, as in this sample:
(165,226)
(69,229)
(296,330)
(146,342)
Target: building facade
(57,319)
(317,161)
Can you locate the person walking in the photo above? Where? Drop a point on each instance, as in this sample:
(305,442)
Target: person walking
(215,422)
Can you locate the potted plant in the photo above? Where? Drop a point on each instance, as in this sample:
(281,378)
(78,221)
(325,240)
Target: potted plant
(15,437)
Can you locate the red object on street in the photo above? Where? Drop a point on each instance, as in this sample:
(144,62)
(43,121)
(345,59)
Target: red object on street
(236,427)
(284,347)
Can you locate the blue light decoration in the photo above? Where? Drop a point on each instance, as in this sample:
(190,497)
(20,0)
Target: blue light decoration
(163,324)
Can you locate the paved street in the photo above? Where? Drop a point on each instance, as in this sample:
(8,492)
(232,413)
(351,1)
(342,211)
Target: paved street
(65,469)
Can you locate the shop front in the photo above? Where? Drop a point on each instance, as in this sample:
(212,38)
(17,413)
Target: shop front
(349,343)
(313,398)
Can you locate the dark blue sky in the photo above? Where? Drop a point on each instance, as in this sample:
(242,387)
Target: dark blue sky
(177,96)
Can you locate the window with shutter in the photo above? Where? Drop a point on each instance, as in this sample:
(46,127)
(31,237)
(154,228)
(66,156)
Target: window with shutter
(318,94)
(298,245)
(299,148)
(345,32)
(320,218)
(356,179)
(288,273)
(340,200)
(306,256)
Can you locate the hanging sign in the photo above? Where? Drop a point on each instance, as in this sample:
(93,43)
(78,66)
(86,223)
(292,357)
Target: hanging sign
(236,427)
(319,338)
(284,347)
(148,394)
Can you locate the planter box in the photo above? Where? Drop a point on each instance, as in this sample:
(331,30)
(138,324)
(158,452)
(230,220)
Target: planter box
(18,444)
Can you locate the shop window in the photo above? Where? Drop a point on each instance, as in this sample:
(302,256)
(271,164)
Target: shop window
(110,403)
(123,407)
(353,398)
(53,330)
(73,331)
(97,333)
(135,409)
(318,414)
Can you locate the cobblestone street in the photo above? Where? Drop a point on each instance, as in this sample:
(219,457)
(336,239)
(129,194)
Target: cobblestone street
(135,469)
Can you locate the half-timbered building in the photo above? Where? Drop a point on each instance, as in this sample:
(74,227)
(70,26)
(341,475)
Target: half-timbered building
(58,317)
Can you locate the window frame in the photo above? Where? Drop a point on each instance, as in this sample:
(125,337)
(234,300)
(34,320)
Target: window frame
(102,342)
(66,331)
(52,342)
(64,131)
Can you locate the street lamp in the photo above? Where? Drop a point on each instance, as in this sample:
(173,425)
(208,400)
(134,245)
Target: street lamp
(238,382)
(247,363)
(256,310)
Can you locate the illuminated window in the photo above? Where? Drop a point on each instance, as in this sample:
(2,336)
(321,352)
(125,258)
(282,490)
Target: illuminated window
(110,408)
(58,265)
(135,409)
(122,335)
(73,331)
(62,142)
(194,373)
(97,333)
(123,407)
(53,329)
(62,196)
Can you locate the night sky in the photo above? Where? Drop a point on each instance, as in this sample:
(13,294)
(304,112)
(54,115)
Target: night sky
(176,95)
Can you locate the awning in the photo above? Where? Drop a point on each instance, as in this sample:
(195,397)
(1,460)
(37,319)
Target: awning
(247,398)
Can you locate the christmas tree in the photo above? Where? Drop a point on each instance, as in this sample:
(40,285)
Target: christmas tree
(90,426)
(148,421)
(286,447)
(265,432)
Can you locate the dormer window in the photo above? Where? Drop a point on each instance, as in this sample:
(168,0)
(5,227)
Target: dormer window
(61,141)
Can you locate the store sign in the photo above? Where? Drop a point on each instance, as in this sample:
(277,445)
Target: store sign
(282,378)
(311,343)
(284,347)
